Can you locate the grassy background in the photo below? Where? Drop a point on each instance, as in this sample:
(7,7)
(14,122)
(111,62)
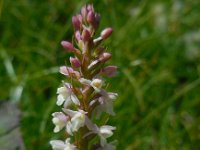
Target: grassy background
(156,45)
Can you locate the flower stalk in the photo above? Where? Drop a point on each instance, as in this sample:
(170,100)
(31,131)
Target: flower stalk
(83,97)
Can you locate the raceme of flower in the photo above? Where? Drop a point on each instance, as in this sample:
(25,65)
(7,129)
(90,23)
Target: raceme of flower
(83,96)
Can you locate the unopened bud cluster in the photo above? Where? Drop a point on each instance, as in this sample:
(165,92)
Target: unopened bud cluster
(83,98)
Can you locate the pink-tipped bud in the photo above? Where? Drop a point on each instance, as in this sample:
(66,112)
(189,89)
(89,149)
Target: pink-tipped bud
(68,46)
(80,18)
(76,22)
(106,33)
(90,8)
(78,35)
(84,11)
(86,35)
(91,17)
(105,57)
(68,71)
(110,71)
(75,62)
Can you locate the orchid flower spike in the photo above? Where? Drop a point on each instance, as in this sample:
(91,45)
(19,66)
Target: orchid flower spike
(83,97)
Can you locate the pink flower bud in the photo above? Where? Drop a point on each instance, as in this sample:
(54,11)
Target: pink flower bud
(80,18)
(68,71)
(78,35)
(106,33)
(105,57)
(86,35)
(90,8)
(76,22)
(84,11)
(75,62)
(91,17)
(68,46)
(110,71)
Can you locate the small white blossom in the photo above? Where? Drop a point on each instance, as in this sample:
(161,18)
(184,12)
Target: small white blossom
(105,103)
(95,83)
(60,120)
(77,120)
(66,96)
(60,145)
(104,132)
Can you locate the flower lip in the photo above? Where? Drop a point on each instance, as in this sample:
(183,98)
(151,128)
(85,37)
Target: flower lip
(60,120)
(106,131)
(66,96)
(61,145)
(63,93)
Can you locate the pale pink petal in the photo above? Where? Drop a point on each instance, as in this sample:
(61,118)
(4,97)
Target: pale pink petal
(85,81)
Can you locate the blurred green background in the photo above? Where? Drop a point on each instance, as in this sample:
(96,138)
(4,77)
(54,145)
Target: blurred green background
(155,44)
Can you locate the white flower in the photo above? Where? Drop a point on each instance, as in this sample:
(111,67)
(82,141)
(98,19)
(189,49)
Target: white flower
(95,83)
(77,120)
(60,120)
(66,96)
(104,132)
(105,103)
(60,145)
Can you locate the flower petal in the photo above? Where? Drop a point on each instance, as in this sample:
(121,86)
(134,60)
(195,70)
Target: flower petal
(57,144)
(85,81)
(106,131)
(69,112)
(75,99)
(60,100)
(69,128)
(90,125)
(68,102)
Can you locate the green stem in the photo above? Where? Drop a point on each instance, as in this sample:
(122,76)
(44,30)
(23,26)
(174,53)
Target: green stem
(84,142)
